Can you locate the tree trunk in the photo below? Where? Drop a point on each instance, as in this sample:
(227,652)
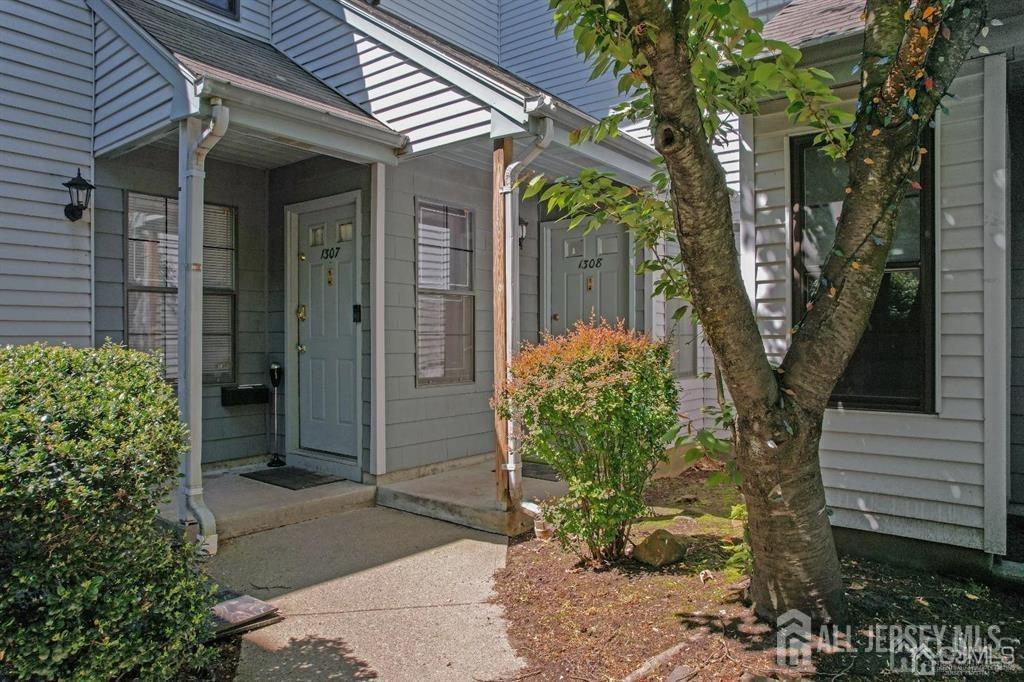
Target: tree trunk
(795,562)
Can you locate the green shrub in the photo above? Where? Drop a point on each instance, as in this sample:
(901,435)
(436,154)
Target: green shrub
(90,588)
(598,405)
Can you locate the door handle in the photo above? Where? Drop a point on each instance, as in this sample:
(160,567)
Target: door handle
(300,348)
(300,313)
(556,317)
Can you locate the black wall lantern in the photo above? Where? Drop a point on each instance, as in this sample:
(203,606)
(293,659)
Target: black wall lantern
(80,191)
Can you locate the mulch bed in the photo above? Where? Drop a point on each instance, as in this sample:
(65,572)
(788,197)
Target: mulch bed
(573,622)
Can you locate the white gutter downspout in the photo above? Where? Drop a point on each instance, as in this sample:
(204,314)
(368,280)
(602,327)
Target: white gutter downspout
(194,143)
(510,190)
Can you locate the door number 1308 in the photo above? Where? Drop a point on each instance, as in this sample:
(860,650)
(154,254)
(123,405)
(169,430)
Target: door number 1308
(590,263)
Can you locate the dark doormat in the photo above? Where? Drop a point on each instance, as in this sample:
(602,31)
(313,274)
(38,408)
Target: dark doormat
(292,478)
(539,470)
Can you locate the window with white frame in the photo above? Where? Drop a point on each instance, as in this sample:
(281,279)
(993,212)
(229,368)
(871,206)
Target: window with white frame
(151,284)
(444,294)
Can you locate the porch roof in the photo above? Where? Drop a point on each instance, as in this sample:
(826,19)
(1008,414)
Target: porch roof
(214,52)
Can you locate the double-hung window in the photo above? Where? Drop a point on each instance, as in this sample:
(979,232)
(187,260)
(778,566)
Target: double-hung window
(893,367)
(152,284)
(444,294)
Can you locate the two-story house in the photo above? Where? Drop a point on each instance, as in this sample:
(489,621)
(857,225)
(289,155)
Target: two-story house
(318,183)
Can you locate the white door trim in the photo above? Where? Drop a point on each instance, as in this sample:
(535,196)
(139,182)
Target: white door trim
(334,464)
(545,276)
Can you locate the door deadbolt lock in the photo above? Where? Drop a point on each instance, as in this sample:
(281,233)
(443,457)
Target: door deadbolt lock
(300,348)
(300,313)
(302,256)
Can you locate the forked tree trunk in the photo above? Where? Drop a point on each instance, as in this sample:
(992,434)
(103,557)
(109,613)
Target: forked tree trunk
(795,562)
(912,52)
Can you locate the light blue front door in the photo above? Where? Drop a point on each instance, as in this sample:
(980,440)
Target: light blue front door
(327,329)
(589,276)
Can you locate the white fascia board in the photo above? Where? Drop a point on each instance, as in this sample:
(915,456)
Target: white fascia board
(477,85)
(185,102)
(624,153)
(305,128)
(629,169)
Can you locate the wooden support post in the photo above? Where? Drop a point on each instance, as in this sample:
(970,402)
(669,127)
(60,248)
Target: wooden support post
(501,159)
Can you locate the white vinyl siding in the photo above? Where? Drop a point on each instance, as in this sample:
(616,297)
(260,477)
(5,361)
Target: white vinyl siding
(45,137)
(470,24)
(376,77)
(431,424)
(919,476)
(529,48)
(132,98)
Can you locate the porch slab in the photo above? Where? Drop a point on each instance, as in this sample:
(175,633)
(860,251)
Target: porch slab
(466,496)
(243,506)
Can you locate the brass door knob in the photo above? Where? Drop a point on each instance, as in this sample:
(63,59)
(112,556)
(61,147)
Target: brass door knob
(300,348)
(556,317)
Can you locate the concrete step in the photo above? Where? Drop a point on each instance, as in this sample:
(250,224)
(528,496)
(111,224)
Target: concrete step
(465,496)
(243,506)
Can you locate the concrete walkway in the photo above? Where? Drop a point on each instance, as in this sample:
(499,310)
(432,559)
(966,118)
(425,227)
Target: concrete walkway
(372,594)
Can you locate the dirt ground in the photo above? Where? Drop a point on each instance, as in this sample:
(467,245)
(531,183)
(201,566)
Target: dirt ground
(571,622)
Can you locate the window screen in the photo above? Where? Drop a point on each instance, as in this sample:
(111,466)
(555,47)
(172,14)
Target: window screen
(152,284)
(893,367)
(444,301)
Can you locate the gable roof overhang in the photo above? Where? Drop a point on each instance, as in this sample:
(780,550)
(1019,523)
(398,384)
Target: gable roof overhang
(307,115)
(512,100)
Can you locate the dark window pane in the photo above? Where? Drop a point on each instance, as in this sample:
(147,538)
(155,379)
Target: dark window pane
(906,245)
(889,365)
(890,368)
(826,179)
(222,5)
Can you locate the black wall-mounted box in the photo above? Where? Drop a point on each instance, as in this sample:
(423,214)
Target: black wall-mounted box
(246,394)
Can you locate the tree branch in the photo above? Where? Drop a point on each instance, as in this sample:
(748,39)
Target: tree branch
(893,113)
(703,217)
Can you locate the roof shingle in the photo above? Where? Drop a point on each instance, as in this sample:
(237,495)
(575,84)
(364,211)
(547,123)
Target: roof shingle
(223,55)
(812,21)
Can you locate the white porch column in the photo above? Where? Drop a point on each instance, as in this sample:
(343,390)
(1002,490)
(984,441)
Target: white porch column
(195,139)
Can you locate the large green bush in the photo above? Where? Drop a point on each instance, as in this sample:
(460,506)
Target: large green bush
(598,404)
(90,588)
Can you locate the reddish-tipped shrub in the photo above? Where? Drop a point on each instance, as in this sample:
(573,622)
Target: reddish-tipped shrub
(598,405)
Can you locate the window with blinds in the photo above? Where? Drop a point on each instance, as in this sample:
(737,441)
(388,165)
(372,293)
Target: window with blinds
(152,284)
(444,300)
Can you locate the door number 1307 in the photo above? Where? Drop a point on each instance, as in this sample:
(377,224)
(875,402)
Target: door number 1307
(590,263)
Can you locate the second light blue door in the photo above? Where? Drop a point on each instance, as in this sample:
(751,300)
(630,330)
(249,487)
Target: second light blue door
(327,330)
(589,275)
